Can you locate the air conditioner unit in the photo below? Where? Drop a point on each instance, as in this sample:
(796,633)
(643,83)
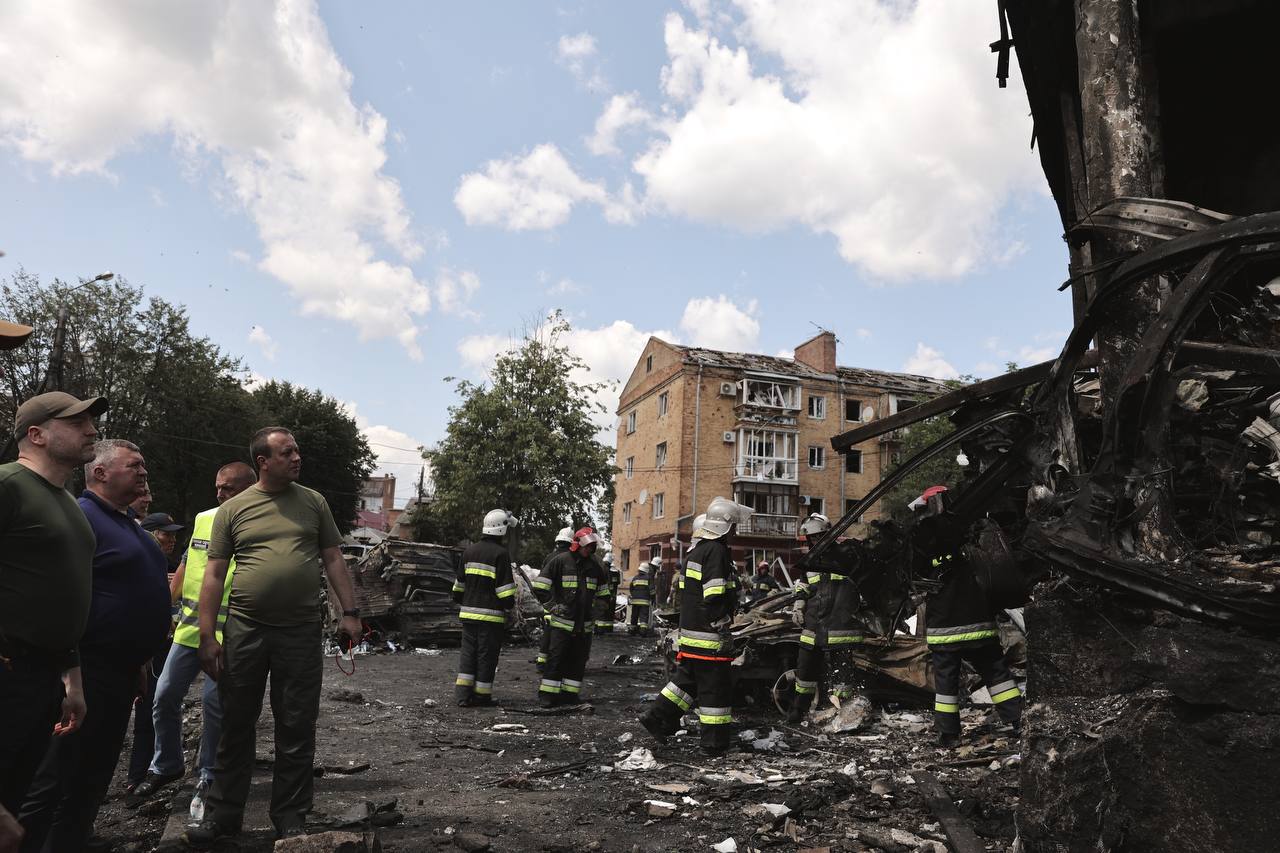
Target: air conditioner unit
(728,436)
(728,389)
(805,500)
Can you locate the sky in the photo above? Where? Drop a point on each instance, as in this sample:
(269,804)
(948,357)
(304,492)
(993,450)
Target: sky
(374,199)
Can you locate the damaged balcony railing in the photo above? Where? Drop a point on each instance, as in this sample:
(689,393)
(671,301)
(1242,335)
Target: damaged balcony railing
(763,524)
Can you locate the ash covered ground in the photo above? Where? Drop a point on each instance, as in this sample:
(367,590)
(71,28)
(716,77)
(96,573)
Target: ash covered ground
(402,759)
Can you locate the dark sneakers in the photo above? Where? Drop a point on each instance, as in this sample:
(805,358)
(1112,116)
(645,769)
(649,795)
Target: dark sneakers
(148,788)
(207,833)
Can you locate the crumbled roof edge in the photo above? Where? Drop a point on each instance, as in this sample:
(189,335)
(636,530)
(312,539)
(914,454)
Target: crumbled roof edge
(774,364)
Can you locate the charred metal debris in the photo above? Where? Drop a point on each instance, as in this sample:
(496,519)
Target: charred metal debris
(1054,481)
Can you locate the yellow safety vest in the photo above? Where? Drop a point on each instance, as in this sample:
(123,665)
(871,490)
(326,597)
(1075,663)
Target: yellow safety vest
(188,631)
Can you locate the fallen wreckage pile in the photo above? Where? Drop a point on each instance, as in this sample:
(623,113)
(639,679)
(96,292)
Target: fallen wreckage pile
(1180,643)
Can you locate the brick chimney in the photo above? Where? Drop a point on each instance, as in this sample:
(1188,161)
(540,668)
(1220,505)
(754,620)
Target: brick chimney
(819,352)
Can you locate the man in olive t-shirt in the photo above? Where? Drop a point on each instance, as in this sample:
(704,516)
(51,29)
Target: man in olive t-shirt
(280,534)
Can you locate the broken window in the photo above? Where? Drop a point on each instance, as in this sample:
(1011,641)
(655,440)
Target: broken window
(773,395)
(767,500)
(631,467)
(817,456)
(852,410)
(817,407)
(660,455)
(853,462)
(664,400)
(767,454)
(626,513)
(850,503)
(626,560)
(816,505)
(900,404)
(631,422)
(659,505)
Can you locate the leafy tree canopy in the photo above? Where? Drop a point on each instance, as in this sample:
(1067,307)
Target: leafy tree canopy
(176,395)
(524,441)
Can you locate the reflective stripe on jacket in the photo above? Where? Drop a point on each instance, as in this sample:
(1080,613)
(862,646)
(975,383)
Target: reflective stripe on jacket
(484,585)
(569,587)
(958,614)
(187,633)
(709,595)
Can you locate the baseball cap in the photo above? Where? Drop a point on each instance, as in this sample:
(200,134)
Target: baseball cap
(13,334)
(160,521)
(55,404)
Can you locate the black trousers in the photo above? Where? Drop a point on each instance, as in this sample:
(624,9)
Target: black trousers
(293,657)
(640,615)
(706,684)
(76,771)
(545,644)
(481,646)
(811,666)
(988,660)
(30,704)
(144,730)
(566,664)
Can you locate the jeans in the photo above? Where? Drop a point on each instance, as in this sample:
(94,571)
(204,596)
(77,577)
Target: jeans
(180,669)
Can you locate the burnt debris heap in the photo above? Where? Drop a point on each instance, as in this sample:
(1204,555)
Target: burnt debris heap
(1135,481)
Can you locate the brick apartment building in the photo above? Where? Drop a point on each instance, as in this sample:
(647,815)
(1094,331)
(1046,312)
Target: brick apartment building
(697,423)
(375,509)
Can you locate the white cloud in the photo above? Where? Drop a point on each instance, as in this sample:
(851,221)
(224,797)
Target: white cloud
(478,352)
(1044,347)
(575,53)
(256,87)
(396,452)
(454,291)
(720,324)
(863,334)
(563,287)
(622,112)
(928,361)
(535,192)
(264,342)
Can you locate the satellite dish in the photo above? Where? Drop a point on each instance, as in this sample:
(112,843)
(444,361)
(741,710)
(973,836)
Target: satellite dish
(868,414)
(643,496)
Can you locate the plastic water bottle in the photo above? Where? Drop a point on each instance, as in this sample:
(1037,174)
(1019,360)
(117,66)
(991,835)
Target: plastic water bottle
(197,803)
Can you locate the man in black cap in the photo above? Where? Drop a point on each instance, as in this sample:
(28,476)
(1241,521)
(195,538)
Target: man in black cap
(46,554)
(163,528)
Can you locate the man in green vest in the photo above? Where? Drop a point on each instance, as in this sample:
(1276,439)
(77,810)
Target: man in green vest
(183,663)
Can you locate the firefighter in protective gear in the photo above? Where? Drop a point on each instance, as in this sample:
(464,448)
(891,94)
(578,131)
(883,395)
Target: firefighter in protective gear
(638,598)
(705,645)
(763,582)
(960,624)
(605,605)
(487,591)
(563,540)
(569,589)
(826,610)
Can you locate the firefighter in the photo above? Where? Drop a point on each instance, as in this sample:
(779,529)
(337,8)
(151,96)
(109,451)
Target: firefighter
(605,605)
(563,540)
(826,610)
(960,623)
(638,598)
(705,645)
(487,591)
(569,589)
(763,582)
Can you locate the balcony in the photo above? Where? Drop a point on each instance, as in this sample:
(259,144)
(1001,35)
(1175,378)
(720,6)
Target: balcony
(760,524)
(767,470)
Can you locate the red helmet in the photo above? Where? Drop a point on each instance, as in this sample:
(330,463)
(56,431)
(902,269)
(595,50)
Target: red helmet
(584,537)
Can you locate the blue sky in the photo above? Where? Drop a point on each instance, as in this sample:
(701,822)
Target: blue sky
(367,198)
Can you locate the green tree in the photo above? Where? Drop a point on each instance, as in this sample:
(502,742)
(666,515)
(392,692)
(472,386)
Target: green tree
(524,441)
(175,394)
(336,457)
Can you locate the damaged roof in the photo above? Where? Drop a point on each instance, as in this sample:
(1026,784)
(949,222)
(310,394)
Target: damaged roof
(902,383)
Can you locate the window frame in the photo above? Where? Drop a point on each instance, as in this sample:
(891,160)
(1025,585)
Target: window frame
(648,363)
(821,506)
(821,453)
(664,403)
(860,402)
(630,467)
(626,512)
(659,504)
(821,399)
(631,422)
(849,457)
(660,455)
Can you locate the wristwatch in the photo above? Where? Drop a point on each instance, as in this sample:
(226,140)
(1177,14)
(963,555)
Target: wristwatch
(354,612)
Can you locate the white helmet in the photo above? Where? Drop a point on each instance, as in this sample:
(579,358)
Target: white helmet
(608,559)
(815,525)
(565,534)
(497,522)
(722,515)
(644,567)
(697,526)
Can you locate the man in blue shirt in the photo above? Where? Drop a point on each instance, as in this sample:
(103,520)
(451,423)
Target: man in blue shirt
(128,624)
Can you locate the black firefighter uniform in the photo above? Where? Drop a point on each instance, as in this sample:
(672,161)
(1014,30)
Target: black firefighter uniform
(830,623)
(569,589)
(638,598)
(708,600)
(960,625)
(561,548)
(486,590)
